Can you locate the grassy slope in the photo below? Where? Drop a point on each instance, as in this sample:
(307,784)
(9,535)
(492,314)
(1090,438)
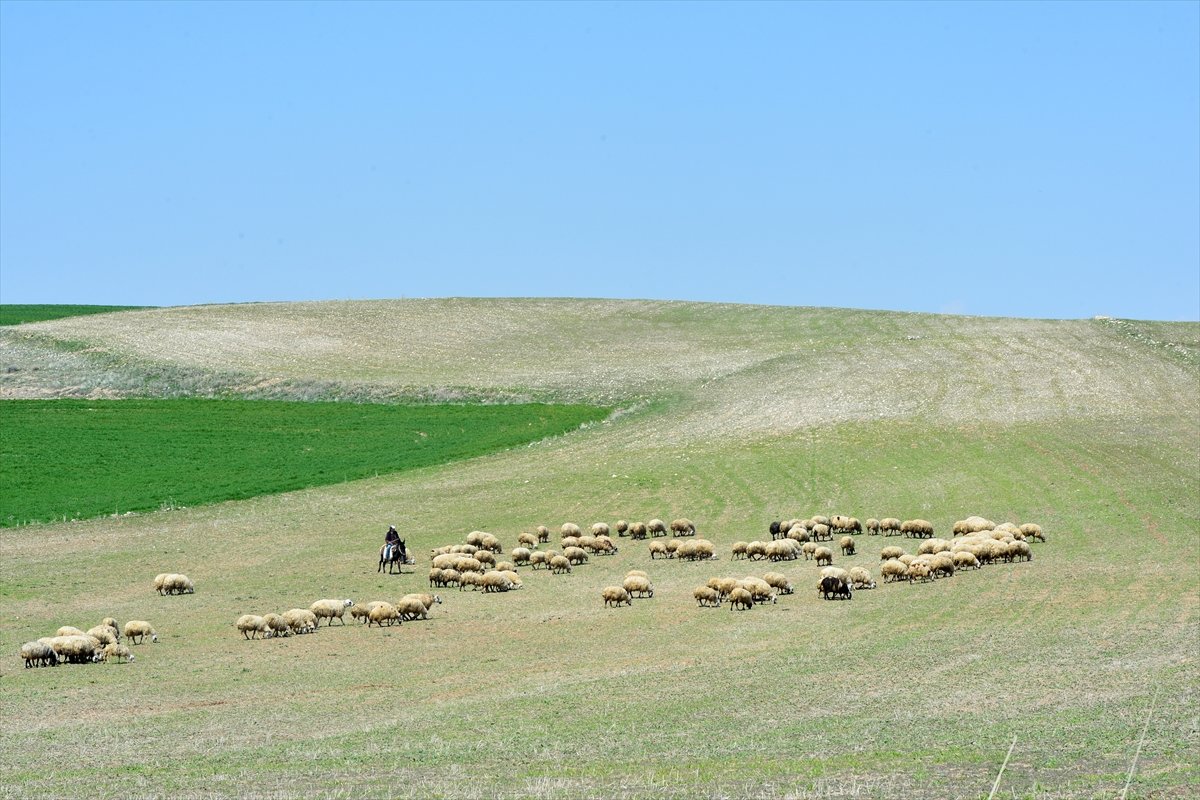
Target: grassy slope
(754,413)
(17,314)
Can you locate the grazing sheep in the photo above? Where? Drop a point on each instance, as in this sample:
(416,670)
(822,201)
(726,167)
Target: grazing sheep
(486,560)
(521,555)
(809,549)
(622,527)
(639,586)
(847,545)
(435,579)
(68,630)
(38,654)
(931,546)
(741,598)
(860,578)
(783,550)
(538,560)
(560,564)
(277,626)
(656,527)
(964,559)
(411,607)
(505,566)
(159,581)
(820,520)
(1033,531)
(383,612)
(570,541)
(251,625)
(112,623)
(942,565)
(616,595)
(468,564)
(570,529)
(636,573)
(696,550)
(834,588)
(447,560)
(118,651)
(529,540)
(451,577)
(75,649)
(103,634)
(470,580)
(776,529)
(1019,551)
(917,528)
(330,610)
(513,578)
(358,612)
(494,581)
(872,526)
(821,532)
(798,533)
(604,546)
(919,571)
(575,555)
(138,629)
(659,548)
(907,559)
(600,529)
(738,549)
(972,525)
(756,551)
(893,570)
(637,530)
(823,555)
(778,582)
(891,551)
(683,527)
(178,584)
(890,526)
(835,572)
(543,533)
(707,596)
(301,620)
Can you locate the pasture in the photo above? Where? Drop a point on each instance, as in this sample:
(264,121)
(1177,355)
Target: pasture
(732,416)
(20,313)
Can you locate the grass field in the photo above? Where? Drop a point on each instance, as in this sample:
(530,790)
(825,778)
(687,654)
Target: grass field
(733,416)
(74,459)
(17,314)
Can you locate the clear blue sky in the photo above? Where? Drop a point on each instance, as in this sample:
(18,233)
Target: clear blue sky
(1016,159)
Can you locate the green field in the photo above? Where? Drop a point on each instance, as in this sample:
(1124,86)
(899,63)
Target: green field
(17,314)
(76,459)
(730,415)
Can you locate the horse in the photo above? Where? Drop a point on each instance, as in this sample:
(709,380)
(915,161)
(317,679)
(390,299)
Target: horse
(397,561)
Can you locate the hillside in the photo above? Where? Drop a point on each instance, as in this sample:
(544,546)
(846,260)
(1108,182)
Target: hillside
(730,415)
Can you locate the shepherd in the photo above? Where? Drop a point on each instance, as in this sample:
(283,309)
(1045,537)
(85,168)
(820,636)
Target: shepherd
(393,553)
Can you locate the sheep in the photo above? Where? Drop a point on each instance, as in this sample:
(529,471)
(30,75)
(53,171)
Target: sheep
(832,587)
(330,609)
(756,551)
(776,529)
(446,560)
(486,560)
(575,555)
(429,600)
(477,538)
(931,546)
(138,629)
(560,564)
(468,564)
(38,654)
(759,589)
(724,586)
(778,582)
(707,596)
(809,549)
(847,545)
(277,626)
(916,528)
(919,570)
(890,526)
(891,551)
(893,570)
(112,623)
(821,532)
(659,548)
(783,550)
(656,527)
(570,529)
(616,595)
(410,608)
(118,651)
(103,634)
(820,520)
(741,598)
(872,526)
(823,554)
(942,565)
(964,559)
(67,630)
(358,612)
(451,577)
(835,572)
(543,533)
(639,586)
(635,573)
(159,580)
(622,527)
(637,530)
(972,525)
(860,578)
(384,612)
(251,625)
(738,549)
(696,550)
(470,580)
(600,529)
(570,541)
(538,560)
(494,581)
(513,578)
(301,620)
(529,540)
(520,555)
(798,533)
(1033,531)
(683,527)
(435,577)
(1018,551)
(178,584)
(75,649)
(906,559)
(605,546)
(505,566)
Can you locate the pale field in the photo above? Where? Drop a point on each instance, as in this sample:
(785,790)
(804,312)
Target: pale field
(732,416)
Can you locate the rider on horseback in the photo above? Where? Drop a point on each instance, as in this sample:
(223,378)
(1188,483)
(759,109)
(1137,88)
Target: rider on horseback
(391,541)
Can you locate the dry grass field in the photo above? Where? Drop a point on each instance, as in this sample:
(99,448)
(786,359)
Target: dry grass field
(730,415)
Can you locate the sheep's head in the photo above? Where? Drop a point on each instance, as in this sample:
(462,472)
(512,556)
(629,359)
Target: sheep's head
(347,603)
(154,637)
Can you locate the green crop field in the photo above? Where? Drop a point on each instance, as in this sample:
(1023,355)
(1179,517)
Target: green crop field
(1073,675)
(82,458)
(17,314)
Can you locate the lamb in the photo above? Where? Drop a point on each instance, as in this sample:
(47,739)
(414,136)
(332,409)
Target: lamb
(251,625)
(860,578)
(560,564)
(38,654)
(639,586)
(178,584)
(847,545)
(890,526)
(741,598)
(1033,531)
(893,570)
(600,529)
(683,527)
(891,551)
(637,530)
(118,651)
(707,596)
(277,626)
(138,629)
(616,595)
(521,555)
(543,533)
(916,528)
(823,554)
(575,555)
(659,548)
(538,560)
(330,609)
(383,612)
(778,582)
(301,620)
(872,526)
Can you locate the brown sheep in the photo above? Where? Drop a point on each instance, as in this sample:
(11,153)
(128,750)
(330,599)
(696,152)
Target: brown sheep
(847,545)
(615,596)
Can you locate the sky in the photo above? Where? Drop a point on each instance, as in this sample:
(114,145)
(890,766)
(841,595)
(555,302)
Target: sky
(999,159)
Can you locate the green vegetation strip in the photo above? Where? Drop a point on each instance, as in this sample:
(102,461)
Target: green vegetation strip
(17,314)
(79,459)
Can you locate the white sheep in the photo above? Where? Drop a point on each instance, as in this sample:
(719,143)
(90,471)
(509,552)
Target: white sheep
(330,609)
(383,612)
(251,625)
(707,596)
(69,630)
(178,584)
(137,630)
(103,634)
(615,596)
(823,555)
(893,570)
(118,651)
(740,598)
(277,626)
(779,582)
(410,608)
(639,586)
(860,578)
(847,545)
(300,620)
(560,564)
(38,654)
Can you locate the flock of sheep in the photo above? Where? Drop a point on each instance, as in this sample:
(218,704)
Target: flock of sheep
(478,564)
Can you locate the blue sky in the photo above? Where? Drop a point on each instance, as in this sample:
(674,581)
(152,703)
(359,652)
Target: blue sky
(1013,159)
